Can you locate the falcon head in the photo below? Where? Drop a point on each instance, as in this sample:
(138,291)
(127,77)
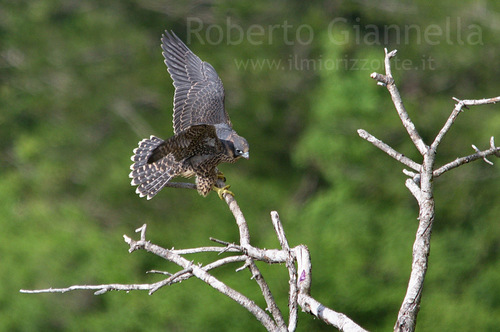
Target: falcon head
(240,147)
(236,147)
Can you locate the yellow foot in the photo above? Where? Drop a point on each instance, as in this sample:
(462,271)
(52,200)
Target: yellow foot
(222,191)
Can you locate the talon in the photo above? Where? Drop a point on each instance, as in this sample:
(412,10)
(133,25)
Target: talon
(222,191)
(221,176)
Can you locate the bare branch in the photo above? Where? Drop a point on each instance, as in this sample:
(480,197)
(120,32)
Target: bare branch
(224,261)
(203,275)
(312,306)
(390,151)
(387,61)
(159,272)
(382,80)
(304,268)
(451,119)
(410,306)
(413,175)
(474,102)
(388,81)
(405,118)
(492,151)
(300,282)
(239,217)
(187,271)
(414,189)
(174,278)
(98,288)
(280,232)
(208,267)
(329,316)
(271,256)
(292,272)
(268,296)
(141,230)
(251,251)
(301,253)
(461,104)
(220,250)
(421,187)
(484,158)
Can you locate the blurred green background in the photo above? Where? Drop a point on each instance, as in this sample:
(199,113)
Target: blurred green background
(81,82)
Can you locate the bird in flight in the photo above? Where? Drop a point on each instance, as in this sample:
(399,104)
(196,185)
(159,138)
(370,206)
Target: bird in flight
(203,133)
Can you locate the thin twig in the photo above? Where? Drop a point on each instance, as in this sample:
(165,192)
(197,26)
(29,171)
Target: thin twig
(271,256)
(224,261)
(98,288)
(329,316)
(388,81)
(203,249)
(389,150)
(203,275)
(210,266)
(292,272)
(451,119)
(484,101)
(280,232)
(459,106)
(171,279)
(387,61)
(268,296)
(159,272)
(492,151)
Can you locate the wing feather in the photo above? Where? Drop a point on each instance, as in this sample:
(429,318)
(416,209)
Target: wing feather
(199,93)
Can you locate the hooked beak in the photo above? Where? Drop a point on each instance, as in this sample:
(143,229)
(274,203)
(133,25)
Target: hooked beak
(246,155)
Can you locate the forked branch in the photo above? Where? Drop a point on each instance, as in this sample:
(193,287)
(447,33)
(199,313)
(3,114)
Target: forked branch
(300,276)
(420,185)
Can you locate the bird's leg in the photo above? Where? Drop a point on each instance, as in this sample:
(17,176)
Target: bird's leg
(221,176)
(222,191)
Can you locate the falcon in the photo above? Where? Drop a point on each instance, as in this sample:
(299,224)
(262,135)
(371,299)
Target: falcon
(203,133)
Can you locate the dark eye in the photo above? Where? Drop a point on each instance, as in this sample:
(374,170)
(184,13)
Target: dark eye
(238,151)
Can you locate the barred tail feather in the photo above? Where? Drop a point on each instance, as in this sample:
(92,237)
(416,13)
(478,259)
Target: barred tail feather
(150,178)
(144,151)
(149,188)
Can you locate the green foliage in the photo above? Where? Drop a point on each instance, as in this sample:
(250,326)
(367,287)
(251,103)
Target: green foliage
(82,82)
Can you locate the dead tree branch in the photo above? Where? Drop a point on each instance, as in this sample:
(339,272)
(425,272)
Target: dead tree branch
(492,151)
(299,282)
(389,150)
(388,81)
(420,185)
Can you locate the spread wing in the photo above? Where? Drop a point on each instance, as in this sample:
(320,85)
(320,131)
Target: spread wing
(199,93)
